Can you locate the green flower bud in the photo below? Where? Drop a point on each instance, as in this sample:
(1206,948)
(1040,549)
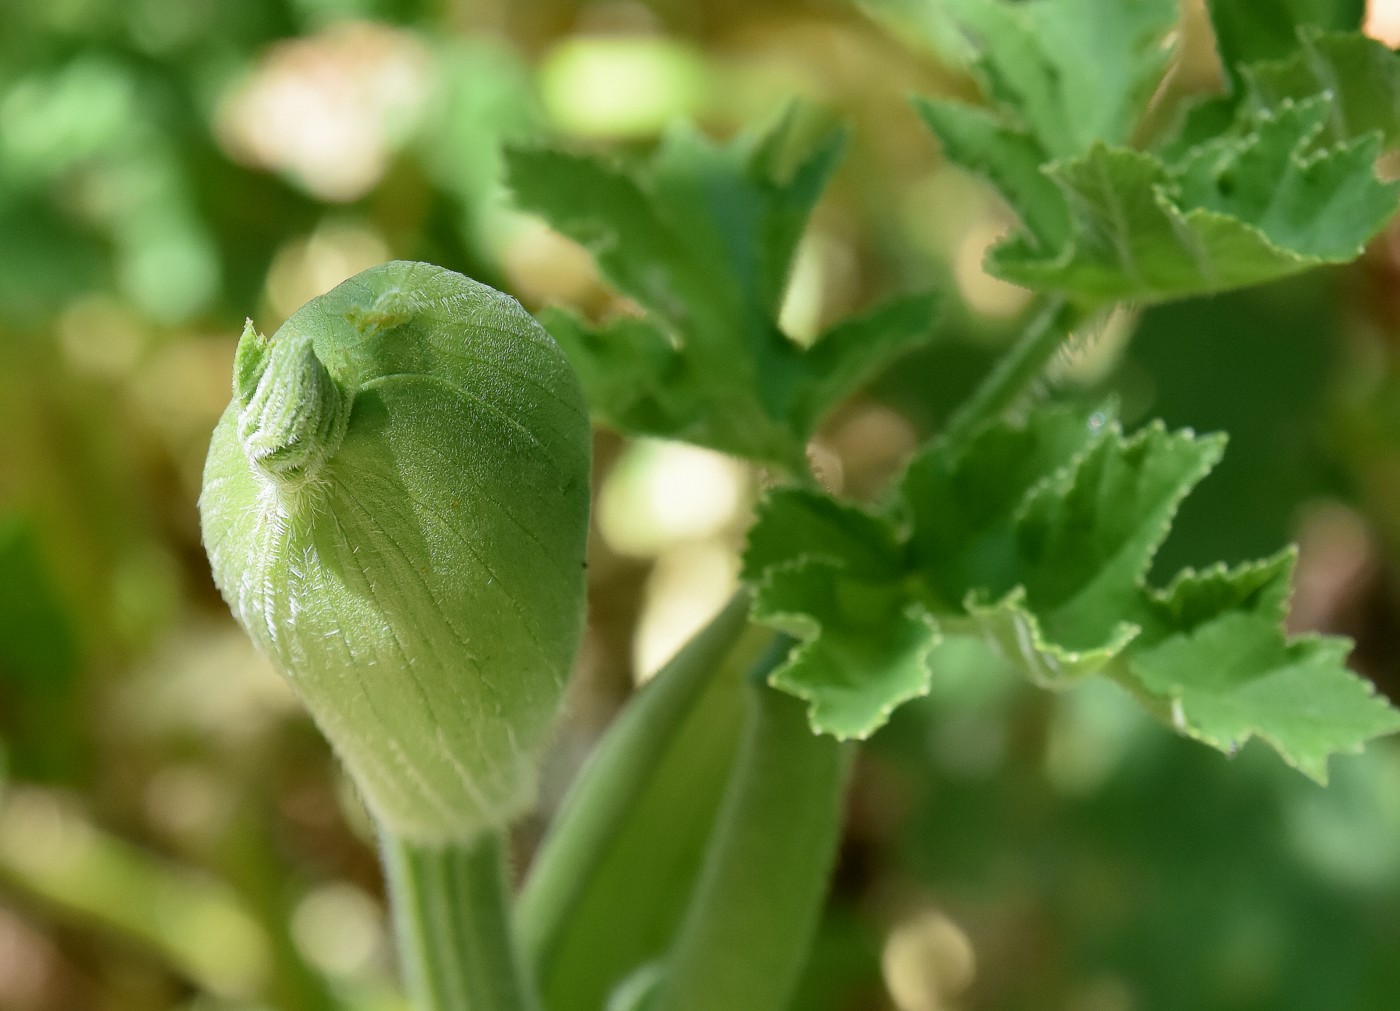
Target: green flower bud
(395,508)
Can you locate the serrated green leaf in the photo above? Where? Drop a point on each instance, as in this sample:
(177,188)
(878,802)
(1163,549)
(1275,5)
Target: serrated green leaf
(1145,233)
(703,237)
(1247,31)
(1016,631)
(1080,548)
(1195,598)
(1075,72)
(1010,159)
(1361,74)
(1273,180)
(1319,203)
(1238,677)
(1037,538)
(961,503)
(1086,539)
(1131,241)
(795,523)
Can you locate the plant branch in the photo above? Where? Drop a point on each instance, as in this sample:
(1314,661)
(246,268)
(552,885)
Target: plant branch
(610,783)
(750,924)
(1016,369)
(452,918)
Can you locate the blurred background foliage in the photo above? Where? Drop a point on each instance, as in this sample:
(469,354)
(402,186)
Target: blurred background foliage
(173,833)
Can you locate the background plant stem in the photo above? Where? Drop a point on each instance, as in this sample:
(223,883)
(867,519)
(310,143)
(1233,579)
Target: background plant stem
(750,924)
(451,907)
(1018,367)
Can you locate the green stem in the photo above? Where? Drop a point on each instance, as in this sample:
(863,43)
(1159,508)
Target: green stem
(452,918)
(1016,369)
(750,924)
(615,776)
(248,859)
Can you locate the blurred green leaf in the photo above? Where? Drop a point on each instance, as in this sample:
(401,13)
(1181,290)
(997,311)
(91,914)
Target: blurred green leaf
(1361,74)
(703,237)
(1235,212)
(51,851)
(1076,72)
(1286,184)
(1247,31)
(1039,538)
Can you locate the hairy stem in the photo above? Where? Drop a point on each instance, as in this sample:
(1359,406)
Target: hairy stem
(750,924)
(1016,369)
(616,774)
(452,919)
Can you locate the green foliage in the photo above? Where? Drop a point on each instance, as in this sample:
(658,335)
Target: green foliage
(131,153)
(1038,538)
(1361,75)
(1248,32)
(703,237)
(1073,72)
(1274,180)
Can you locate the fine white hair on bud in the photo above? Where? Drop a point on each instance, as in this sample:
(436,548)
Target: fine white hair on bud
(294,418)
(426,601)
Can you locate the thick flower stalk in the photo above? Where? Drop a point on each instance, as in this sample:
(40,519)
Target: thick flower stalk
(395,507)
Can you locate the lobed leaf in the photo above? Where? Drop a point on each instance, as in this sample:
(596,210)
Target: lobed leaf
(1072,72)
(1038,538)
(1237,677)
(864,646)
(1234,213)
(1250,32)
(1361,74)
(703,237)
(1277,178)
